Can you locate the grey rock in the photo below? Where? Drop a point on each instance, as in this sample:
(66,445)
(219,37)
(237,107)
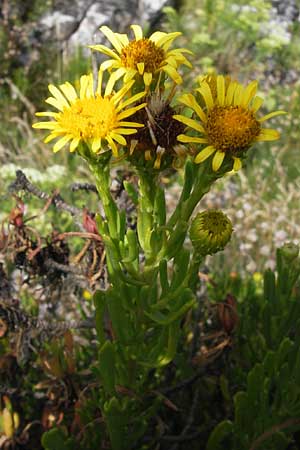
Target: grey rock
(77,23)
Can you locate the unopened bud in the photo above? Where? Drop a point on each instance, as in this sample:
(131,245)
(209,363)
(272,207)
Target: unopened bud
(210,231)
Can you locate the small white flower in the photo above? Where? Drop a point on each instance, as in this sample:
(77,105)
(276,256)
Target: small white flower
(252,236)
(280,235)
(265,250)
(247,206)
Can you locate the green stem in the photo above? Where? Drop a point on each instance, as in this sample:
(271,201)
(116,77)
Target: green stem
(204,180)
(102,178)
(145,224)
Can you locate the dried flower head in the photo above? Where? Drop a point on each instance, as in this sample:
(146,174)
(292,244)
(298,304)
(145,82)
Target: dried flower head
(157,140)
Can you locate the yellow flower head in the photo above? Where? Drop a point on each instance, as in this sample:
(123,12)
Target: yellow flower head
(91,117)
(142,56)
(228,124)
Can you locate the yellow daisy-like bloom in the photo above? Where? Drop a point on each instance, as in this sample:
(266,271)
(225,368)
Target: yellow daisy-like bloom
(142,56)
(228,122)
(90,117)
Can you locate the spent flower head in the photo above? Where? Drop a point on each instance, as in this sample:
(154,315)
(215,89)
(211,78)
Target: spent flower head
(228,122)
(91,116)
(157,141)
(142,57)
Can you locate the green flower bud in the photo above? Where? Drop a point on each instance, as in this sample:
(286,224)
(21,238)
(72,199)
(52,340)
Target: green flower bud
(289,251)
(210,231)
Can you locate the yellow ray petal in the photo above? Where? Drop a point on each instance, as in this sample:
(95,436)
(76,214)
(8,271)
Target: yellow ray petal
(59,144)
(46,114)
(221,90)
(54,102)
(107,51)
(90,86)
(58,95)
(99,82)
(166,40)
(197,140)
(120,72)
(120,94)
(109,64)
(183,60)
(249,93)
(130,111)
(124,131)
(110,84)
(113,146)
(172,73)
(51,136)
(141,67)
(179,51)
(130,100)
(69,91)
(117,137)
(84,81)
(112,37)
(268,134)
(131,73)
(123,38)
(237,164)
(45,125)
(130,124)
(272,114)
(171,61)
(238,95)
(257,103)
(190,122)
(217,160)
(138,32)
(147,78)
(204,154)
(157,36)
(74,144)
(189,100)
(230,93)
(206,94)
(96,144)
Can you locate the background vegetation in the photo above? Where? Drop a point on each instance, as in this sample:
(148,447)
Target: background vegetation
(239,363)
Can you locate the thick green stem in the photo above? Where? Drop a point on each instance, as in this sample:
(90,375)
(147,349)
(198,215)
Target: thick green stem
(145,225)
(102,178)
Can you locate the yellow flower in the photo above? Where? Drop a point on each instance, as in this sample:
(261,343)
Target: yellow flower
(228,123)
(90,117)
(142,56)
